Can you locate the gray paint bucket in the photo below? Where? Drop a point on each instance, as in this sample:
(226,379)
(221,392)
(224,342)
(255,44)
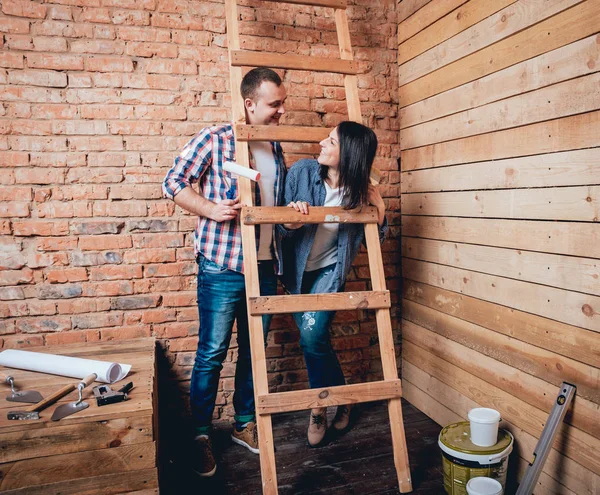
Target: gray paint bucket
(463,460)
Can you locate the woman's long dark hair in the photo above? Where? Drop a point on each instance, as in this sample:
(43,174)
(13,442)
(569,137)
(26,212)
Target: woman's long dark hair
(358,145)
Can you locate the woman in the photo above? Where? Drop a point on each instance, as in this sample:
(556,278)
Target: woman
(317,258)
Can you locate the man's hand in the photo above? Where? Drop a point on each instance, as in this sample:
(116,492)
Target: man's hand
(226,210)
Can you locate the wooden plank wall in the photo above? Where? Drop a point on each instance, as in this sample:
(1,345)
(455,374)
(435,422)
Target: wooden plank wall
(500,194)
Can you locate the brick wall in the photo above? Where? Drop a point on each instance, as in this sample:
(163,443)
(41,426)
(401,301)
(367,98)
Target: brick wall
(97,98)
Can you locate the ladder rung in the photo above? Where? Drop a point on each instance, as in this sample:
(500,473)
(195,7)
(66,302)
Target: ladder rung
(258,215)
(282,133)
(299,400)
(241,58)
(336,4)
(339,301)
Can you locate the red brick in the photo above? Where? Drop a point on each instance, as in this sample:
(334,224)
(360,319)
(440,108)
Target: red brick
(155,66)
(15,193)
(116,272)
(169,240)
(183,344)
(96,175)
(170,269)
(135,128)
(180,299)
(95,143)
(13,159)
(21,341)
(57,62)
(160,315)
(77,306)
(149,256)
(11,260)
(14,209)
(16,277)
(131,17)
(24,8)
(53,111)
(39,325)
(94,15)
(38,308)
(125,333)
(37,260)
(11,60)
(60,209)
(97,320)
(135,302)
(105,242)
(66,275)
(118,288)
(172,330)
(108,64)
(65,338)
(149,49)
(14,25)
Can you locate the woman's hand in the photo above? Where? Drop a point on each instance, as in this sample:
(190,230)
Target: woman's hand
(374,198)
(302,207)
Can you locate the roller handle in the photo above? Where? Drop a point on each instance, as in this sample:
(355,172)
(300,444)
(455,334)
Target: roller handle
(67,389)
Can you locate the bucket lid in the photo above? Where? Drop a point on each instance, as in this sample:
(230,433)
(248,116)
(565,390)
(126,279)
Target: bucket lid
(484,486)
(457,436)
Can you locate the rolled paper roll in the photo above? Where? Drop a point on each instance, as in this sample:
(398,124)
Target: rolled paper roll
(234,168)
(55,364)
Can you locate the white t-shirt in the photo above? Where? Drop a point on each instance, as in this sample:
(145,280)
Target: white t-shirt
(265,164)
(324,249)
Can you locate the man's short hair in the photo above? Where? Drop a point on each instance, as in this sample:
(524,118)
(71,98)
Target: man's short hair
(254,78)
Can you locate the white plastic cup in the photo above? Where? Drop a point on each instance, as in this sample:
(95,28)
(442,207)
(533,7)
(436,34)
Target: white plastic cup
(484,486)
(484,426)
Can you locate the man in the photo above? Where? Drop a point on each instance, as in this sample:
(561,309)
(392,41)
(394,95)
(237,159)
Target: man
(218,247)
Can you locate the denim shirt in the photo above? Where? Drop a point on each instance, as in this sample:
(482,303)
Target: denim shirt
(303,183)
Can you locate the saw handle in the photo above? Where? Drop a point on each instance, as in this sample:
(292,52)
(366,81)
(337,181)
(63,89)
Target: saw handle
(67,389)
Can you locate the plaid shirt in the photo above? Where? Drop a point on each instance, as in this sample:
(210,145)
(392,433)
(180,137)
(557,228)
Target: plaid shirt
(202,161)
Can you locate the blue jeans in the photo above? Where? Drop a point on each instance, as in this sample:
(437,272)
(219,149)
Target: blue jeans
(322,364)
(221,301)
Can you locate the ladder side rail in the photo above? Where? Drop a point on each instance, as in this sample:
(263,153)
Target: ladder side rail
(388,360)
(259,365)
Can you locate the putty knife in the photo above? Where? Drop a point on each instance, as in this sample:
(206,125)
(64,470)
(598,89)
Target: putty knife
(72,407)
(29,396)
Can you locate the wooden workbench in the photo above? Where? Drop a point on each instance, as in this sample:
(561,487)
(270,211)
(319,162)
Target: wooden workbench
(100,450)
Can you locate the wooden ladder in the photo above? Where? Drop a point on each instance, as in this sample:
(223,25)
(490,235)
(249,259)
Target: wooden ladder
(378,299)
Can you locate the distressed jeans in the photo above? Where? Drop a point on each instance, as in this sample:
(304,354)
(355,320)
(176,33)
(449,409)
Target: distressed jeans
(221,301)
(322,364)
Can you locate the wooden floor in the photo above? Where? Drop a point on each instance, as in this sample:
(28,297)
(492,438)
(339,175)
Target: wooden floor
(360,462)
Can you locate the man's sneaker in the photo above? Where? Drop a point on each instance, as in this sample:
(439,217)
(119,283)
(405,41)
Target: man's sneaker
(248,437)
(341,421)
(204,461)
(317,427)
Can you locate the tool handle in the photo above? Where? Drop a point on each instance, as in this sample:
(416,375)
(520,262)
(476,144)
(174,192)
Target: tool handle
(88,380)
(67,389)
(125,389)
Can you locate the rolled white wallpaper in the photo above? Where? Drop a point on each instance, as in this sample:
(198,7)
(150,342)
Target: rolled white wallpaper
(64,365)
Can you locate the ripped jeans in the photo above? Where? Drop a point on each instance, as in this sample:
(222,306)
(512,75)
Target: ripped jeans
(321,360)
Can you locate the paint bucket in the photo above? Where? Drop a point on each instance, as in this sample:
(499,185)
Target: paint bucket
(463,460)
(484,426)
(484,486)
